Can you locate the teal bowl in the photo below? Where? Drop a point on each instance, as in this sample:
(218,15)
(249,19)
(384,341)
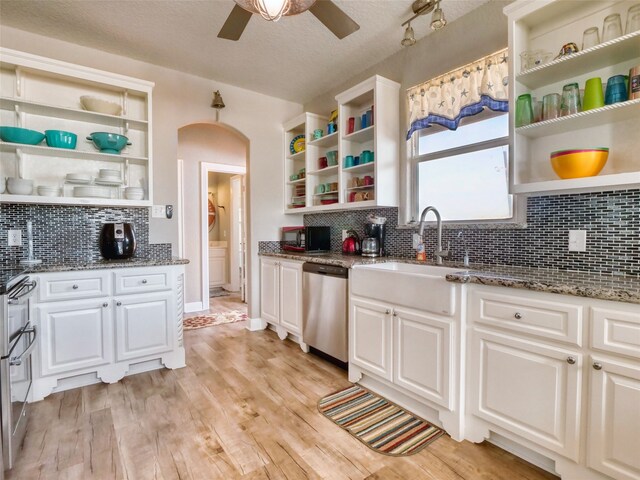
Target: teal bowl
(20,135)
(109,142)
(61,139)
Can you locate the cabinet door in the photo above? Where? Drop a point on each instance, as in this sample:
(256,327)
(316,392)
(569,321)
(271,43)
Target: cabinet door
(145,324)
(422,346)
(216,271)
(370,337)
(615,418)
(269,291)
(291,296)
(75,335)
(527,387)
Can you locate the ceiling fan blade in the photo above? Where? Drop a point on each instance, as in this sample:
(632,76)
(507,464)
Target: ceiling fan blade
(235,24)
(334,18)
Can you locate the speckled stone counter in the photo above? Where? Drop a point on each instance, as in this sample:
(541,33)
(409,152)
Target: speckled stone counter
(581,284)
(103,264)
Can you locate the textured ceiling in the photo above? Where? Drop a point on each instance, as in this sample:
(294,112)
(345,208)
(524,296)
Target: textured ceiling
(296,58)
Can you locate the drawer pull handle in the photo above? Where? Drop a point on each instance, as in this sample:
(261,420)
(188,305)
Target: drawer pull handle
(75,287)
(571,360)
(518,316)
(118,304)
(144,280)
(105,305)
(597,366)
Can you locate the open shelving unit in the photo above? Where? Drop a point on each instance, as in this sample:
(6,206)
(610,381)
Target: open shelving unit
(548,26)
(43,94)
(382,97)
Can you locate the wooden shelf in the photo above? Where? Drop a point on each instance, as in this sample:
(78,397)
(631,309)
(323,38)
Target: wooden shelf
(297,156)
(361,136)
(576,185)
(8,198)
(68,153)
(591,118)
(47,110)
(330,140)
(333,170)
(612,52)
(363,167)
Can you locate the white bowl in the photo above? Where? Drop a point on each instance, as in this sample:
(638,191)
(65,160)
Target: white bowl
(20,186)
(94,104)
(91,192)
(108,173)
(133,195)
(47,191)
(3,184)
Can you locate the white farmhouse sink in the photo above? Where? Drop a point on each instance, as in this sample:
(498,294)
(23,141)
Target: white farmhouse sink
(422,287)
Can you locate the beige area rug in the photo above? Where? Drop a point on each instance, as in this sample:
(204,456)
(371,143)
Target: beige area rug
(212,319)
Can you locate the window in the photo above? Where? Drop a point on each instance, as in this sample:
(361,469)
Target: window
(464,173)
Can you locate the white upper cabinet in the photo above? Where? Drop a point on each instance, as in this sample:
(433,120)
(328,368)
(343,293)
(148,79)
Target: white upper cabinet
(547,25)
(41,94)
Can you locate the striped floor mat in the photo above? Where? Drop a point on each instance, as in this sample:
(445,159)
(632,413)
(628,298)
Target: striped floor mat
(378,423)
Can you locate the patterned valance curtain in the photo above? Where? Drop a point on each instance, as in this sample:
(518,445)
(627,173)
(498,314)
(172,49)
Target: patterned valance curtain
(447,99)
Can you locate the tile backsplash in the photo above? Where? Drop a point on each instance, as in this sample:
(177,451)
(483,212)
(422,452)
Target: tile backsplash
(611,219)
(69,234)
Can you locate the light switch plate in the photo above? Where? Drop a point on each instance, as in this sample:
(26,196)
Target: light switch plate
(158,211)
(577,240)
(14,238)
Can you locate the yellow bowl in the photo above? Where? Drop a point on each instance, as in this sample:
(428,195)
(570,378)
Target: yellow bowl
(579,163)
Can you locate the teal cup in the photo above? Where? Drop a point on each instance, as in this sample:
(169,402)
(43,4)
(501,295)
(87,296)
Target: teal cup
(348,161)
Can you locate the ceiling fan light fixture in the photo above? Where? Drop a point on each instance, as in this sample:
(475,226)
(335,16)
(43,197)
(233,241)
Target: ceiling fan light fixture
(437,19)
(272,10)
(409,37)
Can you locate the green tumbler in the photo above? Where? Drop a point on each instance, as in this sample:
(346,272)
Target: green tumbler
(593,94)
(524,110)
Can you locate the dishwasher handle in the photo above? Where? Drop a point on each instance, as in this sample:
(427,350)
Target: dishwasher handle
(328,270)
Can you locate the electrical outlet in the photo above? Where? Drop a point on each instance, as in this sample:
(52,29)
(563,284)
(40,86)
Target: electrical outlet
(14,238)
(577,240)
(344,234)
(158,211)
(417,240)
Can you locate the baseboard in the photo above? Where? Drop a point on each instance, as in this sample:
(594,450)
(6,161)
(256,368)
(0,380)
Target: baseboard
(535,458)
(255,324)
(193,307)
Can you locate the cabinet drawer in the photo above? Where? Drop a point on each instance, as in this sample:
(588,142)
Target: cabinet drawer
(534,314)
(142,281)
(616,330)
(74,285)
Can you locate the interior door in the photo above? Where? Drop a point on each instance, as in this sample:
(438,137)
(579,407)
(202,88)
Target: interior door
(236,233)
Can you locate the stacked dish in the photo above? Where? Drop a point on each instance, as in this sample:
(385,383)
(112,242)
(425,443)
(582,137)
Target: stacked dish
(133,193)
(91,192)
(47,191)
(109,177)
(20,186)
(78,178)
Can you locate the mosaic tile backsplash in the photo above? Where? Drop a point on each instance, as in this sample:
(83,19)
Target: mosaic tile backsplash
(69,234)
(611,219)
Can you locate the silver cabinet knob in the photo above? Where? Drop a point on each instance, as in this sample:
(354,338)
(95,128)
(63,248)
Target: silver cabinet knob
(75,287)
(395,314)
(144,280)
(118,304)
(105,305)
(597,366)
(387,311)
(517,316)
(571,360)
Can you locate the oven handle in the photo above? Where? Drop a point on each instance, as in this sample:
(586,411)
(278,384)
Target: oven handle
(16,361)
(21,293)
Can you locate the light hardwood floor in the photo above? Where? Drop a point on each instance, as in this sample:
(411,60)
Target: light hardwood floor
(244,408)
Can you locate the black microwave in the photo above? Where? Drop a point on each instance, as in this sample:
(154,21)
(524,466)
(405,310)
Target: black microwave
(306,239)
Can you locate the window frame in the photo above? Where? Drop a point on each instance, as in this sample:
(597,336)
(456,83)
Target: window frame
(518,212)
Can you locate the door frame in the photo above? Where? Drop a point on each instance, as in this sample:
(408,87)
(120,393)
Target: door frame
(205,168)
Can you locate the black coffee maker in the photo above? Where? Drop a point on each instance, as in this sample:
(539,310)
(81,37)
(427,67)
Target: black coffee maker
(117,241)
(375,231)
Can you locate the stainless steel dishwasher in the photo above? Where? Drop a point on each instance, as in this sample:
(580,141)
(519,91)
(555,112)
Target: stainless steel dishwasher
(324,315)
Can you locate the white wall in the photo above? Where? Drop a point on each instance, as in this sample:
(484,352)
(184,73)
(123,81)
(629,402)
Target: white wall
(178,100)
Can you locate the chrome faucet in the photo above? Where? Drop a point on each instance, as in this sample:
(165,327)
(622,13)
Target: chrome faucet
(465,259)
(439,253)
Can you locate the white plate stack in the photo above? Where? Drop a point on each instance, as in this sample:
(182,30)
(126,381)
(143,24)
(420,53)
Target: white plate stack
(134,193)
(91,191)
(109,177)
(47,191)
(78,178)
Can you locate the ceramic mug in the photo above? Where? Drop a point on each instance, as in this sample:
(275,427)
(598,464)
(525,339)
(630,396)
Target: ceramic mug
(317,133)
(320,188)
(348,161)
(323,163)
(368,180)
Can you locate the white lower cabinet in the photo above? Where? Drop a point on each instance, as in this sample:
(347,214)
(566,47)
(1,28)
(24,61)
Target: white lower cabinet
(75,335)
(370,337)
(528,388)
(137,328)
(144,325)
(281,295)
(614,425)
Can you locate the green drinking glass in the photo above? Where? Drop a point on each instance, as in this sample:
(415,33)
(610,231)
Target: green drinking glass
(524,110)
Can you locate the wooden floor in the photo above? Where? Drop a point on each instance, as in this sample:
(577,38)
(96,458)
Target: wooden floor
(244,408)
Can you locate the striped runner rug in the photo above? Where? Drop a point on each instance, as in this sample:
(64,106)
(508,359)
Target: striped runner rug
(378,423)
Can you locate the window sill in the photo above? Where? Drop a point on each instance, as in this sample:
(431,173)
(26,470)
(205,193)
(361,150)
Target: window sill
(467,226)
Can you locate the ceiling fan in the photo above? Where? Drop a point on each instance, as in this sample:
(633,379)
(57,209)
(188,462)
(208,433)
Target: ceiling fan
(324,10)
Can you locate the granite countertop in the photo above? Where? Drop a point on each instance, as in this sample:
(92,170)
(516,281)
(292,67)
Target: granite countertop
(581,284)
(103,264)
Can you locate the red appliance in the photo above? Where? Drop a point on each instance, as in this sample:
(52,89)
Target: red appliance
(351,244)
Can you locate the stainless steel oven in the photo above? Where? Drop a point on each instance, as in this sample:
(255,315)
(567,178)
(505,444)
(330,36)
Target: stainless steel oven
(17,341)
